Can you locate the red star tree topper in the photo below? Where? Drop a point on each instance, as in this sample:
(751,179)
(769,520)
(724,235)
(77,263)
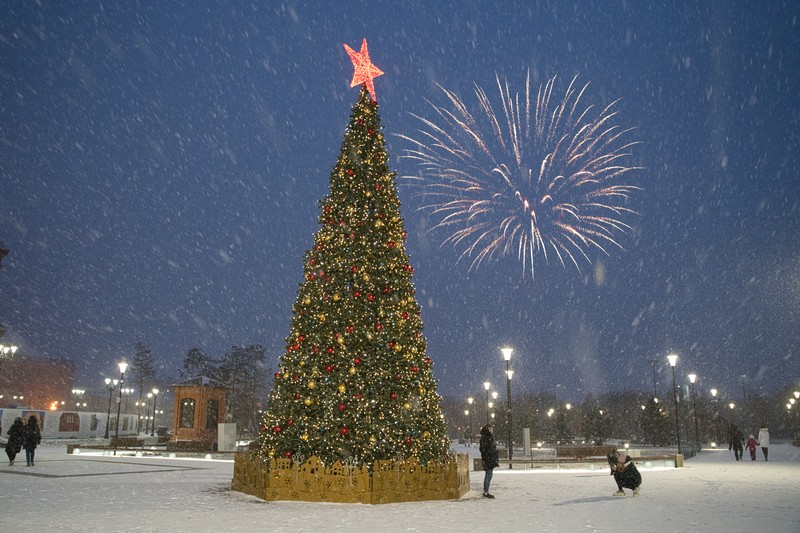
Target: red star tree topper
(364,70)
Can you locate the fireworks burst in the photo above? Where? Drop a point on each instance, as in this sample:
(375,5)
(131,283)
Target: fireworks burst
(534,179)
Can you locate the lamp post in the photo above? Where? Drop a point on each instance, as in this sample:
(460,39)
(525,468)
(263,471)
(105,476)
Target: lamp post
(469,401)
(147,412)
(507,356)
(716,411)
(487,386)
(123,366)
(692,379)
(153,425)
(673,360)
(111,384)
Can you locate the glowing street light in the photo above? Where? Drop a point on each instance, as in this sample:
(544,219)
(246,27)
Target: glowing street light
(487,386)
(123,366)
(673,360)
(507,357)
(469,413)
(155,399)
(111,384)
(692,379)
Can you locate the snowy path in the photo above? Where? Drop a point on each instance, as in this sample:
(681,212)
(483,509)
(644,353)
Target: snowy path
(100,493)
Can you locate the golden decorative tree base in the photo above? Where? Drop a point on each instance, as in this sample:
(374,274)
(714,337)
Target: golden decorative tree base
(389,482)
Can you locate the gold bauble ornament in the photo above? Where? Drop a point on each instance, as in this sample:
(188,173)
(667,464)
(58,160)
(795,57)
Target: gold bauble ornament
(306,300)
(304,436)
(406,406)
(308,401)
(336,297)
(340,340)
(372,439)
(378,223)
(398,347)
(285,375)
(426,435)
(342,388)
(321,318)
(311,384)
(352,370)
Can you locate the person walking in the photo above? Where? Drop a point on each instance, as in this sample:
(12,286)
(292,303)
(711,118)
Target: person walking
(32,439)
(735,438)
(751,447)
(16,434)
(489,457)
(763,440)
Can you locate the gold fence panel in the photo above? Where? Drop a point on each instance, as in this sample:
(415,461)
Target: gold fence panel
(390,481)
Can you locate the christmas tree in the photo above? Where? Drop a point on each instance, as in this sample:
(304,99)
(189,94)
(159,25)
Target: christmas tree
(355,382)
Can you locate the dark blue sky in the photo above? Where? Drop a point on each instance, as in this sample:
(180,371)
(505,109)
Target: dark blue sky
(161,165)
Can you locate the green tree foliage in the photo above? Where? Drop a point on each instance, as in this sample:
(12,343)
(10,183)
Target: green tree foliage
(355,380)
(196,363)
(244,370)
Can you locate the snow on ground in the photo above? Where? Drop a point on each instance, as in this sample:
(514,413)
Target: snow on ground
(93,492)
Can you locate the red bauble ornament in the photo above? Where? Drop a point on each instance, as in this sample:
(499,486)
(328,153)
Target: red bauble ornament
(405,316)
(378,186)
(329,368)
(390,244)
(357,396)
(342,407)
(288,455)
(378,326)
(276,429)
(290,422)
(356,361)
(393,395)
(398,377)
(370,297)
(386,290)
(344,431)
(350,329)
(314,349)
(277,375)
(356,295)
(350,172)
(409,441)
(296,396)
(311,277)
(428,360)
(329,349)
(354,269)
(262,428)
(415,369)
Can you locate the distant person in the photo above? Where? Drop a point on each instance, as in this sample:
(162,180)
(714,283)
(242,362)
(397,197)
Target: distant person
(32,439)
(625,473)
(489,457)
(735,439)
(751,447)
(763,441)
(16,434)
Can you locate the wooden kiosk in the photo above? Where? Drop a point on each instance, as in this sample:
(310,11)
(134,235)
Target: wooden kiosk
(200,404)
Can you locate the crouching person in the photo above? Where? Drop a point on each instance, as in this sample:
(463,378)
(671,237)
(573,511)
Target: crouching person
(625,473)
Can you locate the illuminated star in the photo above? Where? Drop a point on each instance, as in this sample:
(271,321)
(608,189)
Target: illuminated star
(364,71)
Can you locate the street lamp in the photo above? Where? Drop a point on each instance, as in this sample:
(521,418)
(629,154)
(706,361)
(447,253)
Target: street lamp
(507,356)
(147,412)
(487,386)
(692,379)
(153,426)
(123,366)
(469,401)
(111,384)
(673,360)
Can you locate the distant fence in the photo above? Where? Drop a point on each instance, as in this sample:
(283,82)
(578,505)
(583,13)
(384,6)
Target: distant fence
(71,424)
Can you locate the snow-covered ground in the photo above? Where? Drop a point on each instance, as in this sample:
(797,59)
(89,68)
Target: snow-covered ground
(91,492)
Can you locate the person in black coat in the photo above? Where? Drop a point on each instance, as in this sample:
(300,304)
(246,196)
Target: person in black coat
(625,473)
(16,434)
(32,439)
(489,457)
(735,440)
